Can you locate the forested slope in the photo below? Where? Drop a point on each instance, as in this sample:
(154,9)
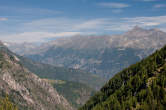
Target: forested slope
(141,86)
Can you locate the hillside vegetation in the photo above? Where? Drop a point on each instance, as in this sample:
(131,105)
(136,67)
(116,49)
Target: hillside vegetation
(76,93)
(141,86)
(76,88)
(5,104)
(61,73)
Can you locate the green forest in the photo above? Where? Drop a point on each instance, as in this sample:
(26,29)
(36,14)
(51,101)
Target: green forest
(141,86)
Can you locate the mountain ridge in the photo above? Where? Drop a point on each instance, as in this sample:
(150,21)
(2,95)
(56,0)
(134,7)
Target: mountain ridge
(26,89)
(101,55)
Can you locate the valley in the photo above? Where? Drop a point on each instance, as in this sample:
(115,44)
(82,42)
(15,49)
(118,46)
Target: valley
(73,72)
(101,55)
(82,54)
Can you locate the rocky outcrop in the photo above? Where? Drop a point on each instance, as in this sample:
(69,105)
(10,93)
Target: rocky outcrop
(27,90)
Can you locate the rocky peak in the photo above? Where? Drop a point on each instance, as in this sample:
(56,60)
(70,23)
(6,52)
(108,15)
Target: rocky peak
(136,31)
(1,44)
(138,28)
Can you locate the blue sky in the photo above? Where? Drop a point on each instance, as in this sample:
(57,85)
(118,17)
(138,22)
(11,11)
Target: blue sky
(41,20)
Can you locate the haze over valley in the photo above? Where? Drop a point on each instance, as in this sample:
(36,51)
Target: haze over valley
(101,55)
(82,55)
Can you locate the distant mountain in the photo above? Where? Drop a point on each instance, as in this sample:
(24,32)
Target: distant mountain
(102,55)
(21,48)
(61,73)
(75,85)
(143,39)
(141,86)
(81,85)
(24,88)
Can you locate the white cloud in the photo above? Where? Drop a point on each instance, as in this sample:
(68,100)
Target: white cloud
(98,25)
(90,24)
(159,5)
(113,5)
(52,24)
(65,24)
(151,24)
(148,0)
(66,34)
(156,20)
(163,29)
(125,24)
(3,19)
(117,11)
(28,11)
(35,36)
(40,30)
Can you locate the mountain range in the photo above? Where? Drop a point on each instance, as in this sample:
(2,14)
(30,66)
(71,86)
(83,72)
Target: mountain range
(79,85)
(63,74)
(101,55)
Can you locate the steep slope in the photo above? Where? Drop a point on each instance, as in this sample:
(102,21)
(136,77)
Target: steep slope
(76,93)
(21,48)
(102,55)
(142,86)
(61,73)
(26,89)
(75,85)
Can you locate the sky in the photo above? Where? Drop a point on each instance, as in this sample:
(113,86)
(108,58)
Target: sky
(44,20)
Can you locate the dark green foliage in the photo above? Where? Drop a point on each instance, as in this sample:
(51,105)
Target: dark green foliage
(142,86)
(5,104)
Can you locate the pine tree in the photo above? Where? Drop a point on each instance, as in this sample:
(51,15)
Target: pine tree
(5,104)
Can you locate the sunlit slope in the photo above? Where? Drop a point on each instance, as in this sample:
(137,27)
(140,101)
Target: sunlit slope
(141,86)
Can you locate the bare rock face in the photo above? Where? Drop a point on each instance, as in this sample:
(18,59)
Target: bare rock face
(17,87)
(27,90)
(143,38)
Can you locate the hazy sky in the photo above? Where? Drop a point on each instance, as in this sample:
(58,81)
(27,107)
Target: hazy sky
(42,20)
